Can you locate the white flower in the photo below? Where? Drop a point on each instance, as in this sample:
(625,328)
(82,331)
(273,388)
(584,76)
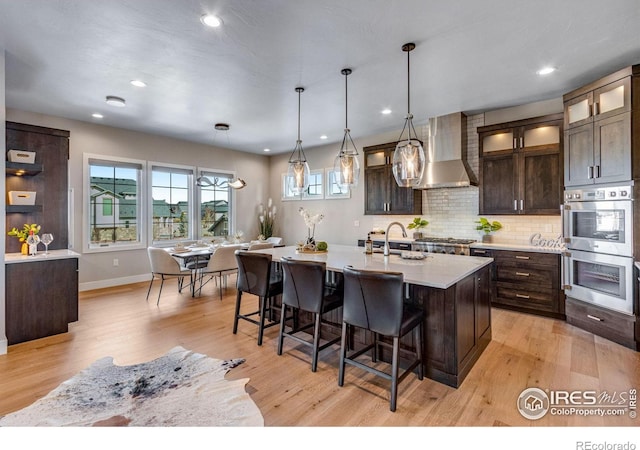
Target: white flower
(270,202)
(261,219)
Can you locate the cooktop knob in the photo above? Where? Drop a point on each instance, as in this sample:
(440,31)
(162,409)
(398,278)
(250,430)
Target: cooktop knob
(612,194)
(623,193)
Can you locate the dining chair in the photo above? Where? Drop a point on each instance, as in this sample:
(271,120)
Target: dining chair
(163,265)
(374,301)
(275,240)
(255,276)
(221,264)
(260,245)
(303,289)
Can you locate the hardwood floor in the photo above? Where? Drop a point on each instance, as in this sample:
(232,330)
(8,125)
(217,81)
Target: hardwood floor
(525,351)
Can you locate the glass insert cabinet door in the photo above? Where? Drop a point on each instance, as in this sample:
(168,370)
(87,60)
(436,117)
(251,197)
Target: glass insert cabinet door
(613,98)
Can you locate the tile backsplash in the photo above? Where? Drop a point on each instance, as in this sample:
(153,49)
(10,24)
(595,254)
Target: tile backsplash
(452,212)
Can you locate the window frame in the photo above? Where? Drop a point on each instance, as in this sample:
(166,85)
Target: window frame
(305,195)
(141,243)
(191,185)
(328,194)
(202,171)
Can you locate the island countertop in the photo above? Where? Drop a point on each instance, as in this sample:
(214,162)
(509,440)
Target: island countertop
(12,258)
(436,270)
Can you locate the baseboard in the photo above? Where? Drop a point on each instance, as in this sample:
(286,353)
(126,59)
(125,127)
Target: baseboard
(3,346)
(91,285)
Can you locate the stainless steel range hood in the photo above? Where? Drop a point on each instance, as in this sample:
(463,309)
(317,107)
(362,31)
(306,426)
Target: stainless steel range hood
(446,148)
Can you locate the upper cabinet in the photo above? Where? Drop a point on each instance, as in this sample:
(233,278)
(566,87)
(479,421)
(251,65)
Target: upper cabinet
(47,177)
(598,128)
(521,166)
(382,194)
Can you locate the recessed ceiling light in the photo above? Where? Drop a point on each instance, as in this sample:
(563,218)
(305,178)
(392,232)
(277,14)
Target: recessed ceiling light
(267,150)
(115,101)
(386,111)
(97,115)
(324,136)
(138,83)
(546,70)
(210,20)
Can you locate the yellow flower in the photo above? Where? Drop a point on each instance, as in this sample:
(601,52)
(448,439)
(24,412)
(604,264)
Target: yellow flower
(26,229)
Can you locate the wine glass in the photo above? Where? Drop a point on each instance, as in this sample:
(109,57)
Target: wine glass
(46,239)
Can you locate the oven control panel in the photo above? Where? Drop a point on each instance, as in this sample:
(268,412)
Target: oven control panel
(599,194)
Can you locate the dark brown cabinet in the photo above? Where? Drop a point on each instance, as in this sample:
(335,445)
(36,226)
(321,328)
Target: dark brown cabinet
(48,178)
(598,129)
(382,194)
(41,298)
(526,281)
(521,166)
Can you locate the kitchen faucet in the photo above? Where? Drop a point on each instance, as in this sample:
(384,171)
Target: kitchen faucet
(385,250)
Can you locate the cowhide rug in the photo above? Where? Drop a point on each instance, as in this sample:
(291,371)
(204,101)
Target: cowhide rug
(181,388)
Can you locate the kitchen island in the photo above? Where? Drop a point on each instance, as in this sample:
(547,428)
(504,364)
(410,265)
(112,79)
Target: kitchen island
(453,290)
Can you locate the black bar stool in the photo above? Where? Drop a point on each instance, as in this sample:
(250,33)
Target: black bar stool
(304,290)
(255,277)
(374,301)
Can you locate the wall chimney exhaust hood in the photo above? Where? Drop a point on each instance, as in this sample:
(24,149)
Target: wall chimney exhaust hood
(446,149)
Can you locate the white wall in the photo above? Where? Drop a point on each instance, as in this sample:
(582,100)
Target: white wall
(96,269)
(3,332)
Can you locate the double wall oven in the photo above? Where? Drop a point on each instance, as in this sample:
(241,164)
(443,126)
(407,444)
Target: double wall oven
(598,231)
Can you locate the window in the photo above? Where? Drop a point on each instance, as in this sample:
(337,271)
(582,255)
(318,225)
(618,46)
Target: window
(171,200)
(315,191)
(215,205)
(334,190)
(113,198)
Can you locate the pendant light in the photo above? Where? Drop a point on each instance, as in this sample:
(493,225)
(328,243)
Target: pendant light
(298,173)
(346,166)
(408,158)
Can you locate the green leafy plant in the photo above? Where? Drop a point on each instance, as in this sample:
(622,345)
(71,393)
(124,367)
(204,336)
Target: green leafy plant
(417,224)
(486,226)
(24,233)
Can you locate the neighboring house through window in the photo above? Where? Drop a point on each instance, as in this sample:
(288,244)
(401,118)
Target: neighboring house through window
(172,197)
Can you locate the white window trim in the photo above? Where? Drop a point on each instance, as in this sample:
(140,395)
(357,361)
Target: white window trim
(232,199)
(304,196)
(86,193)
(327,187)
(149,202)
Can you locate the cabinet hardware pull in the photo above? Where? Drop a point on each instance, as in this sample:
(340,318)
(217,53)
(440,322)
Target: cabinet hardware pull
(514,143)
(590,172)
(597,172)
(594,318)
(482,252)
(522,296)
(521,142)
(521,205)
(521,257)
(523,274)
(515,205)
(595,108)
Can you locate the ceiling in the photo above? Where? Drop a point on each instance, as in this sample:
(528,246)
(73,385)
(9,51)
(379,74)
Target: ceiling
(63,57)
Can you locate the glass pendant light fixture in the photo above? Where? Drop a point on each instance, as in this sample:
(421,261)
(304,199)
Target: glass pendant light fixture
(408,158)
(298,173)
(346,165)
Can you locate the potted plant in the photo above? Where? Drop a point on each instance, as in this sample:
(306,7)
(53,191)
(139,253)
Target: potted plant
(487,227)
(418,224)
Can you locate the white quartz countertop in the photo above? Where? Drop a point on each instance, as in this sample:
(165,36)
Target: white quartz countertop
(516,247)
(13,258)
(436,270)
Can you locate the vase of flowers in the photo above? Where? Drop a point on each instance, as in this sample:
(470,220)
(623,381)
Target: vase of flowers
(311,219)
(266,219)
(23,234)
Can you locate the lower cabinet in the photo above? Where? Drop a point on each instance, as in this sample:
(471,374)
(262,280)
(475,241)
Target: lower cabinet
(526,281)
(41,298)
(612,325)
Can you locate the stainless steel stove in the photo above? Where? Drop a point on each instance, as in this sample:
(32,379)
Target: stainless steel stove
(442,245)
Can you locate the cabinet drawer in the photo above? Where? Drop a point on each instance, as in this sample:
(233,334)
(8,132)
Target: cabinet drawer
(534,299)
(526,259)
(532,277)
(609,324)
